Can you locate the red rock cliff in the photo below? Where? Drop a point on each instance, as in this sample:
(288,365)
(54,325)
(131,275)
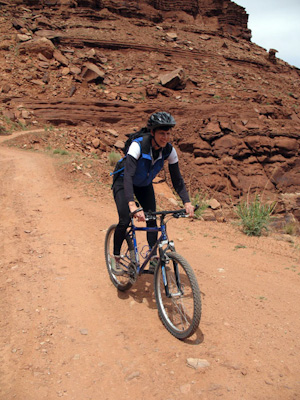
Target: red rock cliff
(227,15)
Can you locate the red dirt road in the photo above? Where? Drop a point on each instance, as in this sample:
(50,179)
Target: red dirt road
(66,332)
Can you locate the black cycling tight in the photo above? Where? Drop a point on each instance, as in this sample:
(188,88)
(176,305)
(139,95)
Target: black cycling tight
(146,198)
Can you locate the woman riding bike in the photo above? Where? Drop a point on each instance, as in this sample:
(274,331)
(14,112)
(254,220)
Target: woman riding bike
(144,160)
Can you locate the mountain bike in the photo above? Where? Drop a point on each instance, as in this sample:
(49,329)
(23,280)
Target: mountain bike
(176,288)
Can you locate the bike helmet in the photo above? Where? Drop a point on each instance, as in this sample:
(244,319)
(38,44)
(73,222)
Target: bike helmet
(161,119)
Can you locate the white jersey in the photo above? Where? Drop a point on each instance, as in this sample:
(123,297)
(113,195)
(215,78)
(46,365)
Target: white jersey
(135,152)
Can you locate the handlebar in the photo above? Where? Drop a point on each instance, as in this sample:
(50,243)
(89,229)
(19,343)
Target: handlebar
(131,214)
(150,215)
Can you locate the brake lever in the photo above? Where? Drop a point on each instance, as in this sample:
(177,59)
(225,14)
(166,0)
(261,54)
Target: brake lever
(149,216)
(183,214)
(180,214)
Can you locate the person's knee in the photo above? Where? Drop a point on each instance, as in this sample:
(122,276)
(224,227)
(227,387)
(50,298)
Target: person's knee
(124,223)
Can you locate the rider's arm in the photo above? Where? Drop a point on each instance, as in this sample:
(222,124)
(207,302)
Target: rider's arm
(129,171)
(179,186)
(133,154)
(178,182)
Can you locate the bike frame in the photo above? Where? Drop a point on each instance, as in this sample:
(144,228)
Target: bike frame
(161,241)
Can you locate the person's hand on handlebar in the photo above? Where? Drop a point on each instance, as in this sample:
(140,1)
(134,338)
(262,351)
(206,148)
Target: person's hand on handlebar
(189,209)
(139,215)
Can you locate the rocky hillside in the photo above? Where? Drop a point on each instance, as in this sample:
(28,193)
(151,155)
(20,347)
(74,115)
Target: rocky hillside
(99,68)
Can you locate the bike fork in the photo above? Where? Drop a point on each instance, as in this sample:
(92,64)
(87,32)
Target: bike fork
(165,260)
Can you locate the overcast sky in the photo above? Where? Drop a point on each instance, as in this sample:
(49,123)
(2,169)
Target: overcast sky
(275,24)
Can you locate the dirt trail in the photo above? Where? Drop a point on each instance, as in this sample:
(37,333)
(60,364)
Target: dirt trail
(66,332)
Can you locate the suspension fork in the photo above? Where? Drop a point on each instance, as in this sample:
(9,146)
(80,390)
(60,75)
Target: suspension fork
(162,255)
(164,260)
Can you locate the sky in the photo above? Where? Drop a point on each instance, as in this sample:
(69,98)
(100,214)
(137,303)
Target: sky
(275,24)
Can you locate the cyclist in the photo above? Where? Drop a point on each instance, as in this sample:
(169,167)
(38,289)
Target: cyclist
(145,158)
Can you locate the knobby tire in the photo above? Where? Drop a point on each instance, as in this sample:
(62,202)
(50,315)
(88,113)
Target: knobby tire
(125,282)
(181,313)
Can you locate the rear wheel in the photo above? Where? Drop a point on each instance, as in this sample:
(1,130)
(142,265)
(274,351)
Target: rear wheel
(125,281)
(180,308)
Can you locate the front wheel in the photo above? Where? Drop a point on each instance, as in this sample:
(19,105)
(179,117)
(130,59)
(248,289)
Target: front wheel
(177,296)
(125,281)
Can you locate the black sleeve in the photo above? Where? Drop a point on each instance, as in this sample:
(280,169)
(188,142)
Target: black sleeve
(129,171)
(178,182)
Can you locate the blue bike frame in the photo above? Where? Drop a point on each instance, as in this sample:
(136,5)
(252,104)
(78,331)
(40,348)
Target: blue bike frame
(163,237)
(161,241)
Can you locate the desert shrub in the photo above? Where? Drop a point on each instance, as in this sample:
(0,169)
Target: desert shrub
(199,199)
(254,215)
(49,128)
(3,130)
(61,152)
(113,158)
(291,228)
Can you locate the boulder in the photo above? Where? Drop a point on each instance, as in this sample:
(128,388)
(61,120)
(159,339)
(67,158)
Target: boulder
(18,23)
(119,144)
(5,44)
(151,91)
(38,45)
(91,73)
(202,148)
(5,88)
(287,146)
(96,143)
(174,79)
(60,58)
(207,160)
(23,37)
(112,132)
(230,145)
(75,70)
(65,71)
(291,203)
(171,36)
(72,90)
(214,204)
(272,56)
(9,114)
(286,177)
(211,131)
(259,144)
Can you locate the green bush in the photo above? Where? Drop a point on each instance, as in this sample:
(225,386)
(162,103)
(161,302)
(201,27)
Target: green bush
(61,152)
(291,228)
(255,216)
(199,199)
(3,130)
(113,158)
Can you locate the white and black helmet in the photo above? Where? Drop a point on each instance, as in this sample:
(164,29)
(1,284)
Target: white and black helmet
(161,119)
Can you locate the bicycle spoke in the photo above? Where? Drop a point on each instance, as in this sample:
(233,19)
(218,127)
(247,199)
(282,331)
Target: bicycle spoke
(180,311)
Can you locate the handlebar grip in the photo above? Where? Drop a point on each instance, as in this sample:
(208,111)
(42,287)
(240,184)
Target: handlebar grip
(131,214)
(182,213)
